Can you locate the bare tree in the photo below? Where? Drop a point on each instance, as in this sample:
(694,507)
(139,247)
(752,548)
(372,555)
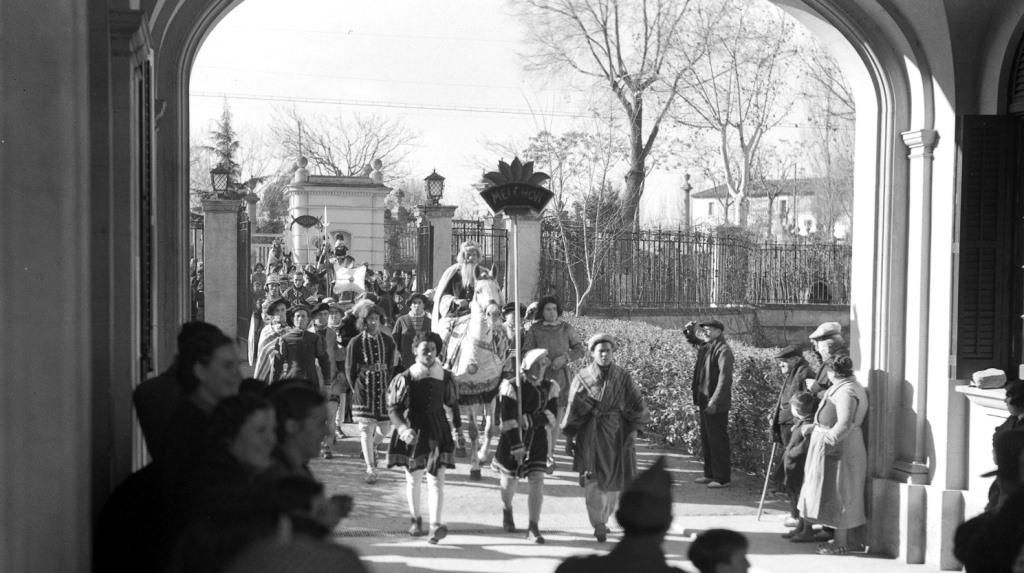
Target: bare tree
(635,49)
(736,90)
(345,145)
(586,210)
(832,115)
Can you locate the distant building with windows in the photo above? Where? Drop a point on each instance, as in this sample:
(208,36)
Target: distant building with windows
(793,208)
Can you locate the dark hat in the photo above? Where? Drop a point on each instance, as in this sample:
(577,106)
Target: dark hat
(511,306)
(293,310)
(1008,444)
(599,338)
(826,330)
(418,295)
(322,307)
(712,323)
(646,504)
(267,305)
(789,352)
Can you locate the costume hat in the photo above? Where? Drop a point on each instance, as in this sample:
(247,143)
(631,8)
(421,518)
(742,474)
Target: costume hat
(532,357)
(598,339)
(646,504)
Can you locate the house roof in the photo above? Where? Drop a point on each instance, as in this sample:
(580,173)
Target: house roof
(803,186)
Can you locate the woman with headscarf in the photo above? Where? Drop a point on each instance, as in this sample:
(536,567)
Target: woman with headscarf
(559,338)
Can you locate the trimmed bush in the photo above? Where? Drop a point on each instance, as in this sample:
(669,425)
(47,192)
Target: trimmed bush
(661,362)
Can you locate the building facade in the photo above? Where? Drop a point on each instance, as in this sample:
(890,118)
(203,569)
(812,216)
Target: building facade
(94,154)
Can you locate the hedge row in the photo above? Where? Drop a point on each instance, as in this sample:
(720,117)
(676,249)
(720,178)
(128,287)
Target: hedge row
(661,362)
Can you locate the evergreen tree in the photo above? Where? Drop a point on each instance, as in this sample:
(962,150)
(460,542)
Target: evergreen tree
(224,145)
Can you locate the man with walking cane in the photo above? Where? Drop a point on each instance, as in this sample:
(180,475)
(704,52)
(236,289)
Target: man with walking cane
(795,371)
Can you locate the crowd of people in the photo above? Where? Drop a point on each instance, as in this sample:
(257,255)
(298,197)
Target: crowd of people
(231,456)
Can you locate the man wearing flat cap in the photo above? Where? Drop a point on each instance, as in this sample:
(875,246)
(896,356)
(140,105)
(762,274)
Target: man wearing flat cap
(828,342)
(712,394)
(645,514)
(795,371)
(605,409)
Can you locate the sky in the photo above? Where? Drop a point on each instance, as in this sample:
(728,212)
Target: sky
(451,70)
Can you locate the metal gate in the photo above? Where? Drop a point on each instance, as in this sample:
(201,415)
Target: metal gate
(424,257)
(244,277)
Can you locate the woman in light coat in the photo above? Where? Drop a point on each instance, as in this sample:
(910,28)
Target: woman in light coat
(836,467)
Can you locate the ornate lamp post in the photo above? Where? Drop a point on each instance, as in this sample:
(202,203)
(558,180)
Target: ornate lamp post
(220,178)
(435,187)
(516,190)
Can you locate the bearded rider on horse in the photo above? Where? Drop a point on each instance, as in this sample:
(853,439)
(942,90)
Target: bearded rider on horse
(460,316)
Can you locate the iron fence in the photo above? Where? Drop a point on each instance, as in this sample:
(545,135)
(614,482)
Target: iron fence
(401,251)
(674,268)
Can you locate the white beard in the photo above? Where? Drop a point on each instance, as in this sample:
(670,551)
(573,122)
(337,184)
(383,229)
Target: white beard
(468,273)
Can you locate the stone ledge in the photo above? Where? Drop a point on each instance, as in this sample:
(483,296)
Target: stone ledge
(991,399)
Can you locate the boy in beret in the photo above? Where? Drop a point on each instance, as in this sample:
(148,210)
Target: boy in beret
(605,410)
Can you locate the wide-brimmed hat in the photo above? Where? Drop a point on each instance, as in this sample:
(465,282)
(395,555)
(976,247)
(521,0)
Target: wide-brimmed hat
(511,306)
(321,307)
(598,339)
(712,323)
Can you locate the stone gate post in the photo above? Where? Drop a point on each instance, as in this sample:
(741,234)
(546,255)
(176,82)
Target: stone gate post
(529,258)
(220,263)
(440,218)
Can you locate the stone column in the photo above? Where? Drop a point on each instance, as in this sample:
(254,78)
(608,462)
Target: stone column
(220,263)
(911,464)
(440,218)
(529,257)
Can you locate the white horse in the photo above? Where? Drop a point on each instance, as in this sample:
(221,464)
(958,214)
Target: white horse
(475,353)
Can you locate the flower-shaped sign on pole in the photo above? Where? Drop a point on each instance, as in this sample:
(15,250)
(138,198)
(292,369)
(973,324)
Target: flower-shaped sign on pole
(515,188)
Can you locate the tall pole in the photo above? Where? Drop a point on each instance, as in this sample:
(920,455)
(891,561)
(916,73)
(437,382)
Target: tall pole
(515,297)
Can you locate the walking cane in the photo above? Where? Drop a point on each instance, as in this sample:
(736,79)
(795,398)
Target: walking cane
(767,476)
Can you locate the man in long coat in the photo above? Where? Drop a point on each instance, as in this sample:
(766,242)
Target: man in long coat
(712,394)
(605,410)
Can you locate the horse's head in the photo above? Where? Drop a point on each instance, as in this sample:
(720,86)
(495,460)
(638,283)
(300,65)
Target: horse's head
(487,292)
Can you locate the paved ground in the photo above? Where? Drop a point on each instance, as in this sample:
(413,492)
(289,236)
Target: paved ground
(377,526)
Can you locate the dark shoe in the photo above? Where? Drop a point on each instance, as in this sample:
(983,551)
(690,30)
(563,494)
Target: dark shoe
(507,523)
(533,534)
(601,534)
(803,537)
(791,533)
(326,453)
(437,533)
(823,535)
(474,475)
(416,527)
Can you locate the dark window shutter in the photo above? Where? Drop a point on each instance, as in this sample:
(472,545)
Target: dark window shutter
(988,160)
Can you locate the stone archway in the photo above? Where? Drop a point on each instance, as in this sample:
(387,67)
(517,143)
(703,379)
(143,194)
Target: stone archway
(896,130)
